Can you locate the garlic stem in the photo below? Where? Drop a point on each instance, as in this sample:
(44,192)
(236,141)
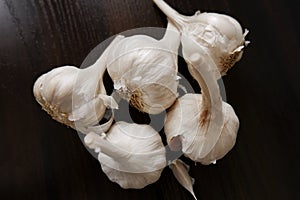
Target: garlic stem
(94,141)
(171,39)
(211,116)
(99,67)
(173,15)
(96,70)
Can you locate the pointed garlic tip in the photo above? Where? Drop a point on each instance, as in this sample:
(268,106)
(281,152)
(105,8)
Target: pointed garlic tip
(180,171)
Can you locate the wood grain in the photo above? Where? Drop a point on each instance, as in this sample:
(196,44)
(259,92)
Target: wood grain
(41,159)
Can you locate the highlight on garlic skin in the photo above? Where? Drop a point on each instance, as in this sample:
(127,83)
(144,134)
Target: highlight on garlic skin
(221,36)
(144,70)
(130,154)
(76,97)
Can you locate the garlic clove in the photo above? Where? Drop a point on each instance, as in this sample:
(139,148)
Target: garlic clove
(131,155)
(220,35)
(180,171)
(144,70)
(75,97)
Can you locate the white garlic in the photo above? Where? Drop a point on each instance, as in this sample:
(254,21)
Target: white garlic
(184,120)
(219,35)
(180,171)
(207,126)
(144,70)
(131,155)
(76,97)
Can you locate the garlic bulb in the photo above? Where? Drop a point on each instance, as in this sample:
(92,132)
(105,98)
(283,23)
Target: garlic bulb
(184,119)
(76,97)
(207,126)
(180,171)
(131,155)
(144,70)
(219,35)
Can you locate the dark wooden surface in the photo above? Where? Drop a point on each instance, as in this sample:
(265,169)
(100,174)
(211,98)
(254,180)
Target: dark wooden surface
(42,159)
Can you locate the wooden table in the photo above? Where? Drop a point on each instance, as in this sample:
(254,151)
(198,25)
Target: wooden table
(42,159)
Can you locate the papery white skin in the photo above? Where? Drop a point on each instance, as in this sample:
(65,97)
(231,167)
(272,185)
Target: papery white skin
(181,173)
(220,35)
(188,107)
(76,97)
(144,70)
(131,155)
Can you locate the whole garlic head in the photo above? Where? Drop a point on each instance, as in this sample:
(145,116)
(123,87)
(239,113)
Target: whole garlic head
(131,155)
(220,35)
(76,97)
(144,70)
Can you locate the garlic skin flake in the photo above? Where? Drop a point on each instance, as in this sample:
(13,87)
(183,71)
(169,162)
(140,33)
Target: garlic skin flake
(180,171)
(220,35)
(144,70)
(76,97)
(132,155)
